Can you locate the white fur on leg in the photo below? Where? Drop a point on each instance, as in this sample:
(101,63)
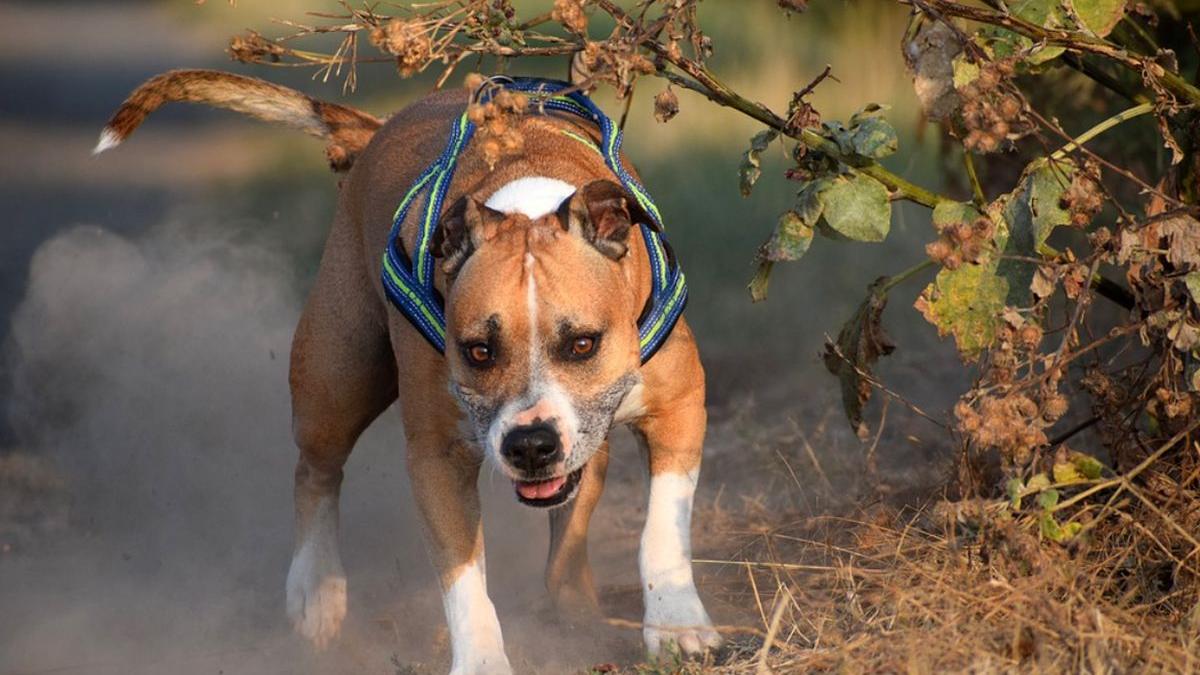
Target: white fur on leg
(475,638)
(316,584)
(674,613)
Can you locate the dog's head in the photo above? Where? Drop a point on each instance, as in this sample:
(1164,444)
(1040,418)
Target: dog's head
(542,338)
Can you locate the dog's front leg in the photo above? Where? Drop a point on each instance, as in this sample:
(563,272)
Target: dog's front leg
(568,574)
(444,476)
(673,440)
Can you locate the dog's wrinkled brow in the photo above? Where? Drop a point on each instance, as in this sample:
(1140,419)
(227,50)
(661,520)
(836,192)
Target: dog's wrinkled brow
(568,328)
(487,330)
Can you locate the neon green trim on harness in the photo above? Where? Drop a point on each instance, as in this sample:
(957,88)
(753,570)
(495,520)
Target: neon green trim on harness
(417,300)
(679,286)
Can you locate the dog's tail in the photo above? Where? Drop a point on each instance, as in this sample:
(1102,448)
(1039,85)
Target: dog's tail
(347,130)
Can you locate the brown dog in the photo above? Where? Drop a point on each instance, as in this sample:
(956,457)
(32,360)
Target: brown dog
(544,280)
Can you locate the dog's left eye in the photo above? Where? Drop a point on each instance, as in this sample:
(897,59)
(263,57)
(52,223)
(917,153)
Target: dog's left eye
(479,354)
(580,347)
(583,345)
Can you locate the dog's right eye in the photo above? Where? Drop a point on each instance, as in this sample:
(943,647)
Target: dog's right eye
(479,354)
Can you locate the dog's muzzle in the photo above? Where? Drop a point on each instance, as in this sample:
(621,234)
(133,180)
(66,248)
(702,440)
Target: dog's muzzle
(535,452)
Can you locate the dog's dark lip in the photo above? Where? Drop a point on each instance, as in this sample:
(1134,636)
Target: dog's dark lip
(564,494)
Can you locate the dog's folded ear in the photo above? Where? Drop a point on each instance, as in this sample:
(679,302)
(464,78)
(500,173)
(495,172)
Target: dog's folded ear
(460,232)
(602,212)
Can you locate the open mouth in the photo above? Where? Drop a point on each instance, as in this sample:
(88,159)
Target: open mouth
(549,492)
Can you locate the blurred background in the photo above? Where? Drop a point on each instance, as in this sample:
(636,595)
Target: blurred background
(147,299)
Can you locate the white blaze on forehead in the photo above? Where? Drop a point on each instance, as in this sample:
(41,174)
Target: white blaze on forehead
(674,612)
(545,398)
(475,639)
(534,196)
(531,305)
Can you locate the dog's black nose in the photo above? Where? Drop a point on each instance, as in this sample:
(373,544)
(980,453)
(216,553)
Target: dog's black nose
(531,448)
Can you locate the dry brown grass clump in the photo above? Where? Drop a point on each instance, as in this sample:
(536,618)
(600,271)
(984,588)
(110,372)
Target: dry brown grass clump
(1075,571)
(961,587)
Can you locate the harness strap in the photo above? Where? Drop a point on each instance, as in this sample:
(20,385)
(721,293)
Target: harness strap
(409,283)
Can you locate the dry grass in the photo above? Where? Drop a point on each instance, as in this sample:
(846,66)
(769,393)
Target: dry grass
(932,591)
(813,564)
(957,586)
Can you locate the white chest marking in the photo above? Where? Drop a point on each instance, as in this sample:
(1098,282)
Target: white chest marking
(534,196)
(632,406)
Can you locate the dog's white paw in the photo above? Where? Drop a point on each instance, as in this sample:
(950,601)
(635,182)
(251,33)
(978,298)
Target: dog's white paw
(316,597)
(676,616)
(475,638)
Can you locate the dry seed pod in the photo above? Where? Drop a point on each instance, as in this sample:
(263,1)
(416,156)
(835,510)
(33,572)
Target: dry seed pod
(666,105)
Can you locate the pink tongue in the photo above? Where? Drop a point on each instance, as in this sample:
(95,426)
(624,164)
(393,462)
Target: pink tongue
(541,489)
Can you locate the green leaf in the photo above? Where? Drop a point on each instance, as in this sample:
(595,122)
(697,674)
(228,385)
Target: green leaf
(871,135)
(1098,16)
(1004,43)
(856,207)
(868,134)
(750,169)
(1043,53)
(1041,12)
(1058,533)
(859,345)
(965,70)
(1048,498)
(1192,280)
(761,281)
(1066,473)
(1030,213)
(1045,182)
(1014,487)
(809,205)
(947,212)
(1049,527)
(965,303)
(789,241)
(1039,481)
(1089,466)
(844,207)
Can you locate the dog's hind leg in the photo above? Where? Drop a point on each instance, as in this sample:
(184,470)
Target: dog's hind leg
(342,377)
(568,574)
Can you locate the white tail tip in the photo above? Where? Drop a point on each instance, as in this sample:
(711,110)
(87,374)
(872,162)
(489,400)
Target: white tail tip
(108,140)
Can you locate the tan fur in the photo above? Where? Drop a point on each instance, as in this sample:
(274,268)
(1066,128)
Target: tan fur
(568,573)
(353,354)
(347,130)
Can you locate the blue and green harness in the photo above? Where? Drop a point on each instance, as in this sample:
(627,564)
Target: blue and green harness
(409,283)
